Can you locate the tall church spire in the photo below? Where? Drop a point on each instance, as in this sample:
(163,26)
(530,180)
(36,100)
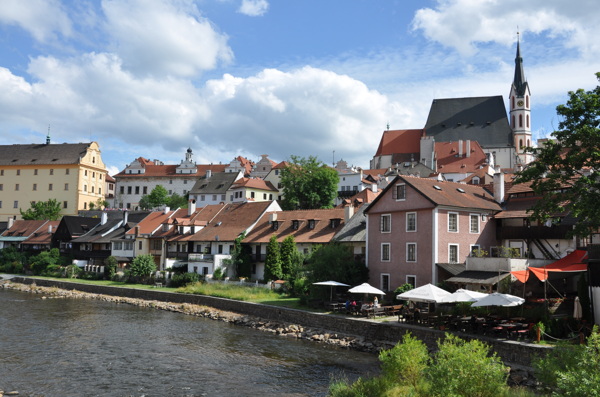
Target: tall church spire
(520,110)
(519,82)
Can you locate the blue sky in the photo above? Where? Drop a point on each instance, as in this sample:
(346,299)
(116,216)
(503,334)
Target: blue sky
(151,78)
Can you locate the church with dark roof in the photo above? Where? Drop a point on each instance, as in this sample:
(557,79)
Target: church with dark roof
(484,120)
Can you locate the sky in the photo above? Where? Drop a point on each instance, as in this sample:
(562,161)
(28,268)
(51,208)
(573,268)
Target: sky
(323,78)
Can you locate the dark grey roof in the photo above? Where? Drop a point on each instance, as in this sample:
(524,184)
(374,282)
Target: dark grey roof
(477,277)
(78,225)
(519,81)
(355,230)
(103,233)
(65,153)
(481,119)
(218,183)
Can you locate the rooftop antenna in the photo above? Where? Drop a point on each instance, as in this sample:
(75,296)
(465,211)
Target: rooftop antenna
(48,136)
(333,159)
(388,126)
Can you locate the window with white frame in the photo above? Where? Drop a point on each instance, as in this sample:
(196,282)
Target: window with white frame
(128,246)
(475,249)
(411,252)
(411,221)
(385,282)
(385,223)
(117,245)
(474,223)
(385,252)
(399,192)
(453,253)
(453,222)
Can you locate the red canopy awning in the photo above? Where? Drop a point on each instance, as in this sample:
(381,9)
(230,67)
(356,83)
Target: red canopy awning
(570,263)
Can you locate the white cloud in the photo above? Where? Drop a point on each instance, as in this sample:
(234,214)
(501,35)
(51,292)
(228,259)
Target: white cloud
(254,8)
(463,24)
(43,19)
(164,38)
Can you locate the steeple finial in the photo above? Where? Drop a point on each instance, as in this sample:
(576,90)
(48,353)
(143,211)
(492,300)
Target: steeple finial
(48,136)
(519,81)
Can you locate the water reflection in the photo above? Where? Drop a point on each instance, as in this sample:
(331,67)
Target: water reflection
(64,347)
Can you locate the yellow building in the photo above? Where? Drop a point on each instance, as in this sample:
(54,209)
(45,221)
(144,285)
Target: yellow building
(71,173)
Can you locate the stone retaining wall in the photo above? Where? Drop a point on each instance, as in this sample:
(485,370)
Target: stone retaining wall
(512,353)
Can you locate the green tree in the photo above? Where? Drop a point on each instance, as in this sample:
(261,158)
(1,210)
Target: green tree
(572,370)
(111,266)
(406,362)
(42,210)
(561,172)
(142,266)
(273,260)
(466,368)
(291,259)
(335,261)
(39,263)
(240,258)
(308,184)
(177,201)
(157,198)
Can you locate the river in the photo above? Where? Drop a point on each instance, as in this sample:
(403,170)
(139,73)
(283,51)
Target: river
(75,347)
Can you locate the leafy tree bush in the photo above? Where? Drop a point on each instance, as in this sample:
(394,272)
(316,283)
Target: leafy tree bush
(72,271)
(10,256)
(335,261)
(43,260)
(142,267)
(406,362)
(42,210)
(273,261)
(157,198)
(111,266)
(218,274)
(466,368)
(183,279)
(291,258)
(298,180)
(572,370)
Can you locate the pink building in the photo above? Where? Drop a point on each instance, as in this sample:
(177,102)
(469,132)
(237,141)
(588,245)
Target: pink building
(418,226)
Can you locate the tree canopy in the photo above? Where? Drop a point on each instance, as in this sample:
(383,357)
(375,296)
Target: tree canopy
(335,261)
(42,210)
(157,197)
(273,260)
(563,173)
(308,184)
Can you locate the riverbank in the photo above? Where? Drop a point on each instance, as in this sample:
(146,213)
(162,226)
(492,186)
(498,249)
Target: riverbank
(365,335)
(294,331)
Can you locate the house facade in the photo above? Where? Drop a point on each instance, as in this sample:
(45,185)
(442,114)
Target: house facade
(417,224)
(72,174)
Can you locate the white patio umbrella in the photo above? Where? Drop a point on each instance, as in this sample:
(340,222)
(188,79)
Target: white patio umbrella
(498,299)
(365,288)
(577,311)
(426,293)
(463,295)
(331,284)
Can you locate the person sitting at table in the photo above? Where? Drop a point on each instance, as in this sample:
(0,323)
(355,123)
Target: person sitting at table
(347,304)
(417,315)
(365,307)
(375,302)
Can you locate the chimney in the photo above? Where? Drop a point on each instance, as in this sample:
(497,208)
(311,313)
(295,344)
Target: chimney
(460,148)
(166,210)
(49,229)
(11,222)
(191,207)
(272,217)
(498,186)
(103,218)
(468,148)
(348,213)
(374,187)
(208,174)
(125,217)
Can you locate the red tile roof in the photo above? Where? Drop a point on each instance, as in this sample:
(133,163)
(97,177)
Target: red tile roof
(44,234)
(253,183)
(151,170)
(320,234)
(400,141)
(24,228)
(449,162)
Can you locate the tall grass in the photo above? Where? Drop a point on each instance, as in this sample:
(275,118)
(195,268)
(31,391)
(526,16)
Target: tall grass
(241,293)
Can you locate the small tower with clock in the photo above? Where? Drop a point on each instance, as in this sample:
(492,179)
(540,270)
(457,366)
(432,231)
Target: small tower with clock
(520,111)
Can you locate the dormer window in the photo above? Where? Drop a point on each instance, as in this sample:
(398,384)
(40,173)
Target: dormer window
(295,224)
(275,225)
(311,223)
(333,223)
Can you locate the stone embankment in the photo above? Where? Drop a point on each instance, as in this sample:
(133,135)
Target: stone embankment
(521,375)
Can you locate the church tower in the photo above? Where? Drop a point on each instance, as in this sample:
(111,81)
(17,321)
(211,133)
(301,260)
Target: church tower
(520,111)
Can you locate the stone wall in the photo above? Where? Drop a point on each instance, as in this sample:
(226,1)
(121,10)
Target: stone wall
(512,353)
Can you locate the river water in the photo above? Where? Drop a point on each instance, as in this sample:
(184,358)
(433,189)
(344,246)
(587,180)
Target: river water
(77,347)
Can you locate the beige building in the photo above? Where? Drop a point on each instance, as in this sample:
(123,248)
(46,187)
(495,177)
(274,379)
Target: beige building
(71,173)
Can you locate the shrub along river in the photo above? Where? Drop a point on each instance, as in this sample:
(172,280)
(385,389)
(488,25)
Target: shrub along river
(75,347)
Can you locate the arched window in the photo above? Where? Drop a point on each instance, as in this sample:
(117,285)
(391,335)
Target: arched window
(527,101)
(520,120)
(520,144)
(512,123)
(512,106)
(527,121)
